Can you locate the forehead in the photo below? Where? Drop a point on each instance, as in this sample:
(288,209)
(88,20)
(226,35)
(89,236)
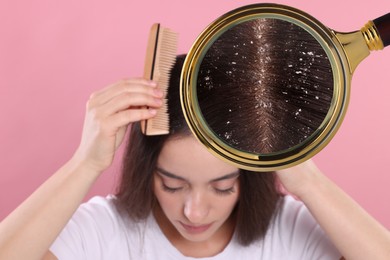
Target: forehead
(187,158)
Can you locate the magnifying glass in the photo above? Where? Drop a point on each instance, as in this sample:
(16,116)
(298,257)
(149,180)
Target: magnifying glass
(266,86)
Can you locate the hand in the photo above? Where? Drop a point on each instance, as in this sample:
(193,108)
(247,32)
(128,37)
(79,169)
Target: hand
(355,233)
(109,112)
(299,179)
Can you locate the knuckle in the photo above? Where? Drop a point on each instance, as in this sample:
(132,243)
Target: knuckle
(93,96)
(91,105)
(94,114)
(91,100)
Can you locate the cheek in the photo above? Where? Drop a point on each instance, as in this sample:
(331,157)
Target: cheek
(227,203)
(168,203)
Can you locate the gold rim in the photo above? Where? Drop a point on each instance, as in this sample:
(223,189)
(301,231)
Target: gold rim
(285,158)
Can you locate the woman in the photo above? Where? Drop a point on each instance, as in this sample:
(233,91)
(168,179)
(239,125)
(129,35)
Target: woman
(177,201)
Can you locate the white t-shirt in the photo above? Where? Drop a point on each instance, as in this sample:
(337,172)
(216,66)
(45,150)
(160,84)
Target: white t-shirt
(97,231)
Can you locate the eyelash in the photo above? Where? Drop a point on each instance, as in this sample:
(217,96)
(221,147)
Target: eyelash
(224,192)
(169,189)
(217,191)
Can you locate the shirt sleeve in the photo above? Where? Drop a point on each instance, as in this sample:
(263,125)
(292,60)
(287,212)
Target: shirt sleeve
(88,229)
(301,235)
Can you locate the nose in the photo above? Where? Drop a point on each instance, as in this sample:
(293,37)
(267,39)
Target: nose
(196,208)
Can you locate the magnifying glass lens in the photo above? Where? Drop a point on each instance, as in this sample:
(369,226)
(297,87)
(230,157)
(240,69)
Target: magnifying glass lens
(265,86)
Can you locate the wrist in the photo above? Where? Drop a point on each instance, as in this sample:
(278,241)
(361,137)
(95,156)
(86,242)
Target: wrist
(83,167)
(316,189)
(303,180)
(311,186)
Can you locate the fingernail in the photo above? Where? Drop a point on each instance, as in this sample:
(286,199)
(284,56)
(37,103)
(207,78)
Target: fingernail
(158,92)
(152,83)
(152,111)
(158,101)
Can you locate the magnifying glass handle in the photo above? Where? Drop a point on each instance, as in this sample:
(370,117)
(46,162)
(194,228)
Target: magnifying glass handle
(382,24)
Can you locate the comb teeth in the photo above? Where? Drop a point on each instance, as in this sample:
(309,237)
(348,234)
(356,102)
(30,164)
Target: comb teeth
(160,58)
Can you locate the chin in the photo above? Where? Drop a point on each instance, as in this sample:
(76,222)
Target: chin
(196,236)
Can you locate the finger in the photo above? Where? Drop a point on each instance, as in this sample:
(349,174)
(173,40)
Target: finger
(129,102)
(126,117)
(123,81)
(126,86)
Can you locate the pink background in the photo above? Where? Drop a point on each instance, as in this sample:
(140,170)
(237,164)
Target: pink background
(53,54)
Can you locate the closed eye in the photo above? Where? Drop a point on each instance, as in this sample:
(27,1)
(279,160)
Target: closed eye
(224,191)
(170,189)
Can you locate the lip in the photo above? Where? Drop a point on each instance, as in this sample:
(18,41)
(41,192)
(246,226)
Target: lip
(195,229)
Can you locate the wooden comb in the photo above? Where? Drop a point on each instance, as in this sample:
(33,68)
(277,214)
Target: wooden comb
(160,58)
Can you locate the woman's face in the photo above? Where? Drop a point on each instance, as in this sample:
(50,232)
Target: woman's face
(196,191)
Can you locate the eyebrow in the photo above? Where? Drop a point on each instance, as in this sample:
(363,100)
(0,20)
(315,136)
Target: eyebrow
(174,176)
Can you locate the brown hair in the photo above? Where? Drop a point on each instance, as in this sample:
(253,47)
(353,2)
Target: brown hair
(223,80)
